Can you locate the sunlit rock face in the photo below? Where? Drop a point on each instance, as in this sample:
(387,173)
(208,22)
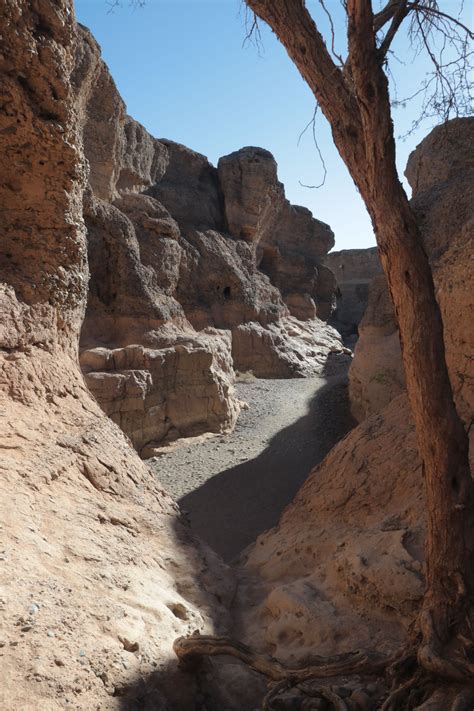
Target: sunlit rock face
(441,173)
(344,568)
(195,271)
(99,574)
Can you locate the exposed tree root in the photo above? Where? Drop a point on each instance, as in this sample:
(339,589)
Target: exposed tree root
(415,678)
(190,651)
(321,692)
(459,667)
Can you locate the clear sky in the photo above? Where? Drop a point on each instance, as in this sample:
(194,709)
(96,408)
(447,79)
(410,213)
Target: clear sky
(182,69)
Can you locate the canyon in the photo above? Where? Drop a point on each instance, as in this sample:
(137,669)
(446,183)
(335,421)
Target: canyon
(140,289)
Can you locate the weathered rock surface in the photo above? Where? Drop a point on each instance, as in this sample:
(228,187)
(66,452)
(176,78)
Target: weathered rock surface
(288,348)
(354,270)
(344,568)
(290,244)
(174,249)
(153,394)
(376,375)
(98,573)
(441,172)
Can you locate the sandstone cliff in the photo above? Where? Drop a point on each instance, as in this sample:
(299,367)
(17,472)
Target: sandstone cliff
(344,567)
(441,173)
(354,269)
(94,555)
(195,271)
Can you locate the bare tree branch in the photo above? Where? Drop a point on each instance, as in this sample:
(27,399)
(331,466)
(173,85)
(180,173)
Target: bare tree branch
(432,10)
(400,14)
(385,15)
(333,34)
(313,124)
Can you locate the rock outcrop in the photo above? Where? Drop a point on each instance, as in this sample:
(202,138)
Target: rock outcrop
(354,270)
(344,568)
(181,288)
(290,245)
(94,553)
(441,173)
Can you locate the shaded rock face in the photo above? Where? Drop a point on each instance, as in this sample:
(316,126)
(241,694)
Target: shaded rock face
(174,249)
(441,172)
(95,552)
(353,269)
(290,245)
(344,569)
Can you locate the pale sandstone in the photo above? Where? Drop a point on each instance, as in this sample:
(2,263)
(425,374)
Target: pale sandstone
(95,561)
(170,271)
(344,568)
(442,175)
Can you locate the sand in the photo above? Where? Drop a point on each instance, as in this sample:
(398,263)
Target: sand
(234,486)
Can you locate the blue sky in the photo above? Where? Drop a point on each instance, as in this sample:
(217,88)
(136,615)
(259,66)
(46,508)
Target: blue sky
(182,69)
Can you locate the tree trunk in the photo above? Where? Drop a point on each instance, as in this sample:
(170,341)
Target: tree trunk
(355,101)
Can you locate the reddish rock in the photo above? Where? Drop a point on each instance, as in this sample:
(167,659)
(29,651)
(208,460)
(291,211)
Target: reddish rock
(442,175)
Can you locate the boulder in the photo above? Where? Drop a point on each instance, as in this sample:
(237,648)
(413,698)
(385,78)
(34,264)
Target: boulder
(166,393)
(288,348)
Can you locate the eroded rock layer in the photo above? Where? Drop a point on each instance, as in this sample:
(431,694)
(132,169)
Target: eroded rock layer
(98,573)
(195,270)
(344,569)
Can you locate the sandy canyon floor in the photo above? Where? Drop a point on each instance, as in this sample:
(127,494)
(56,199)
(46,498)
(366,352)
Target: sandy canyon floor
(232,487)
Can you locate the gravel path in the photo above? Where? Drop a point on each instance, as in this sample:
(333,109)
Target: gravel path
(235,486)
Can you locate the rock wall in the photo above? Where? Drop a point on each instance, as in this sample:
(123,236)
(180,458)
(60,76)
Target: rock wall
(98,572)
(181,289)
(344,568)
(441,173)
(354,270)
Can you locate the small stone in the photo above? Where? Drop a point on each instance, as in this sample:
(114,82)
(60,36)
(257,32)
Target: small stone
(82,653)
(50,633)
(128,645)
(342,691)
(33,609)
(363,700)
(26,628)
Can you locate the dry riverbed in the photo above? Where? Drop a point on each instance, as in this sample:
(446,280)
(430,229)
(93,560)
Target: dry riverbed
(232,487)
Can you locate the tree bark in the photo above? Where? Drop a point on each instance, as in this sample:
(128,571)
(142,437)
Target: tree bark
(355,100)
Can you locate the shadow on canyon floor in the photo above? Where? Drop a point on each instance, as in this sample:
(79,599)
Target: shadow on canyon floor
(232,508)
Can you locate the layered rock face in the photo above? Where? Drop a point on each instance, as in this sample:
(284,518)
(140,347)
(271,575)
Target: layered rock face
(344,569)
(354,270)
(94,554)
(290,244)
(176,296)
(441,173)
